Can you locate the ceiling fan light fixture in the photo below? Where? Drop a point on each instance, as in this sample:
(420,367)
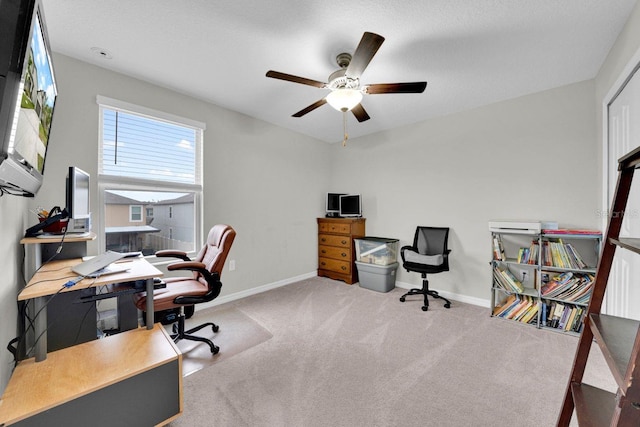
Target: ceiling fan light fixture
(344,99)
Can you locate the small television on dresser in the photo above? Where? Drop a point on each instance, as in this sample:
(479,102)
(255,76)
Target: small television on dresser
(333,205)
(350,206)
(27,96)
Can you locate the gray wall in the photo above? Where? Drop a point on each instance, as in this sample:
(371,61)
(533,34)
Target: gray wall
(460,170)
(526,158)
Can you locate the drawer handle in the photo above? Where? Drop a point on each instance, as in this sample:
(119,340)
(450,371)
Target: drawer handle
(323,263)
(323,239)
(344,255)
(344,242)
(344,268)
(323,251)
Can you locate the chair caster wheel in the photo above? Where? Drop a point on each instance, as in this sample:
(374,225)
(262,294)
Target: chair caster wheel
(425,308)
(447,305)
(401,299)
(215,349)
(215,328)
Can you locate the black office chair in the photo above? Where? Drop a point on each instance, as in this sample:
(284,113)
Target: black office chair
(429,254)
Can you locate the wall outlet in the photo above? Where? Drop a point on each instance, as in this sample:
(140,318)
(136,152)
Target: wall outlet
(232,265)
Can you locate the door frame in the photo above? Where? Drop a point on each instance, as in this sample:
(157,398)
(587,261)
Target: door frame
(630,69)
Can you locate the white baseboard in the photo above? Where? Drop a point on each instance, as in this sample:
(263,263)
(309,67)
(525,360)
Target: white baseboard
(449,295)
(253,291)
(259,289)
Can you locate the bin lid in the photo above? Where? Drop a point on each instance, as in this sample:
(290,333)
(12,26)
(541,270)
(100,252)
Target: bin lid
(377,239)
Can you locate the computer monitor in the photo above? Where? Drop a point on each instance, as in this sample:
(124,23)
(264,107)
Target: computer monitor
(350,205)
(333,204)
(78,201)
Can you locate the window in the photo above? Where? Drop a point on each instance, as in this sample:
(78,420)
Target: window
(150,179)
(135,213)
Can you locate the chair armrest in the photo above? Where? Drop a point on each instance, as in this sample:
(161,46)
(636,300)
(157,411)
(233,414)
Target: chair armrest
(173,254)
(404,248)
(213,282)
(198,267)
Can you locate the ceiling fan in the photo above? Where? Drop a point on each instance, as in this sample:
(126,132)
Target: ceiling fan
(346,89)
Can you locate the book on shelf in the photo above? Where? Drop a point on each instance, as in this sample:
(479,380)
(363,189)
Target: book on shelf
(565,317)
(569,286)
(506,305)
(572,231)
(533,252)
(506,280)
(531,313)
(498,248)
(563,255)
(521,309)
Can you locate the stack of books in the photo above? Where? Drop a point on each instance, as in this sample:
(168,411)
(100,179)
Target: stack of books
(561,316)
(504,279)
(521,308)
(563,255)
(568,286)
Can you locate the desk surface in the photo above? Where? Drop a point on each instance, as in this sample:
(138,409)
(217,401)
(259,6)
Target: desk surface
(68,238)
(73,372)
(52,276)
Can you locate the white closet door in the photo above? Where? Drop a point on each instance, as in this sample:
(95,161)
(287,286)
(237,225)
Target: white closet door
(624,135)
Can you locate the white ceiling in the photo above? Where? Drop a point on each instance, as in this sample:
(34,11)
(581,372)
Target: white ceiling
(471,53)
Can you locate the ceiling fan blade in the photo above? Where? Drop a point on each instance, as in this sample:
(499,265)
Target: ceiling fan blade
(414,87)
(360,113)
(310,108)
(295,79)
(367,48)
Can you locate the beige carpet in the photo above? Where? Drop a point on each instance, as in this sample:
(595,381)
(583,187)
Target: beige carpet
(237,333)
(346,356)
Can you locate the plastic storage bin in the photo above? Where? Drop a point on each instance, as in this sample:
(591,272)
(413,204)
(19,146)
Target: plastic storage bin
(381,278)
(376,250)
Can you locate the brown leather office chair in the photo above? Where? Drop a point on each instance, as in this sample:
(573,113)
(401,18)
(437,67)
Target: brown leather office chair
(203,286)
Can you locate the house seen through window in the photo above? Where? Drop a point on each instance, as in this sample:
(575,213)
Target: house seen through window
(150,179)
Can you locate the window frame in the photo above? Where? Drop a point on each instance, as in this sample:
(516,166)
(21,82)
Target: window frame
(139,213)
(120,183)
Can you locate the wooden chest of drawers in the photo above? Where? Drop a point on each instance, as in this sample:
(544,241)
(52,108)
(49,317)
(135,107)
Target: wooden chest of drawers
(336,248)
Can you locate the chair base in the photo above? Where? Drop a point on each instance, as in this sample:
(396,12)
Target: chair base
(426,292)
(181,334)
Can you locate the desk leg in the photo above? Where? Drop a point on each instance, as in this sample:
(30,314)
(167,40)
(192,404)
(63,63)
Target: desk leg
(40,328)
(33,259)
(150,303)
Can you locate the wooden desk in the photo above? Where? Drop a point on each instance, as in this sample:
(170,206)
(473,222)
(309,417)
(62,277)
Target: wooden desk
(50,280)
(38,248)
(132,378)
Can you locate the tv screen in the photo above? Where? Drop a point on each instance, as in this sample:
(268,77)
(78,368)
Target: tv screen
(333,203)
(28,94)
(350,205)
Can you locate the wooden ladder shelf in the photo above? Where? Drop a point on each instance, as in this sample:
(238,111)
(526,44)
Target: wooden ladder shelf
(618,338)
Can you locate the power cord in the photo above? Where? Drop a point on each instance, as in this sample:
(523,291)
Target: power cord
(19,340)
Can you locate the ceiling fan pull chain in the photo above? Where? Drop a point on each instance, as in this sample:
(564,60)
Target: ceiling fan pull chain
(346,135)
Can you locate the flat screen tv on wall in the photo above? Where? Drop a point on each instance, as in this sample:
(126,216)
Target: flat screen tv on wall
(28,94)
